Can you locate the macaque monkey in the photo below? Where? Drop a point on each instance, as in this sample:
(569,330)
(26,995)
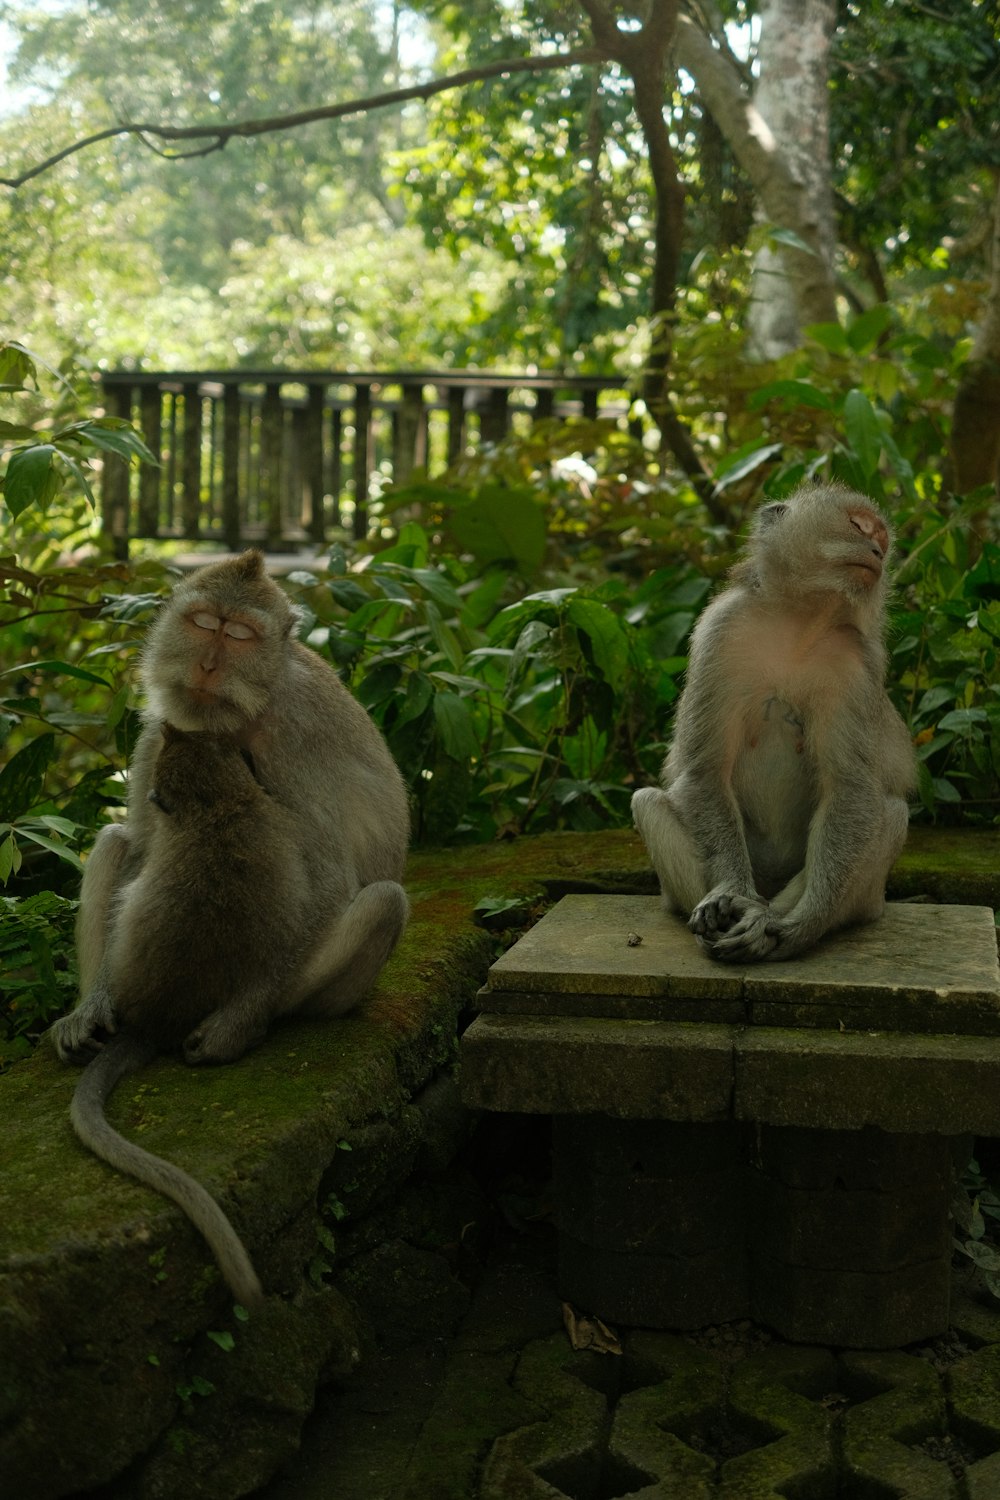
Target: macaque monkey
(190,939)
(783,801)
(221,659)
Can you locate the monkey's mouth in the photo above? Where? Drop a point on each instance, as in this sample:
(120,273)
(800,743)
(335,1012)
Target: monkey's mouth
(873,568)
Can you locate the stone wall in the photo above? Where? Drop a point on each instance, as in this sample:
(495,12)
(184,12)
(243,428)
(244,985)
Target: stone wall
(333,1149)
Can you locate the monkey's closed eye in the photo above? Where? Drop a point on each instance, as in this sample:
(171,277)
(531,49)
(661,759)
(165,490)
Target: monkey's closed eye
(153,796)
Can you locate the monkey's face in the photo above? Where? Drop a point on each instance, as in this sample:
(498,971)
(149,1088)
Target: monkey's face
(825,538)
(214,652)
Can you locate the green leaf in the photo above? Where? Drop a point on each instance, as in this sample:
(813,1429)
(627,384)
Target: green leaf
(79,474)
(454,725)
(224,1340)
(16,368)
(607,638)
(419,692)
(790,238)
(57,669)
(963,718)
(8,851)
(70,857)
(65,826)
(119,704)
(348,594)
(28,477)
(444,637)
(863,430)
(438,586)
(23,776)
(379,684)
(737,467)
(793,392)
(543,605)
(867,328)
(501,524)
(110,435)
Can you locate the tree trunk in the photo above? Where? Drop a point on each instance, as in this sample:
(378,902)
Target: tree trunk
(781,139)
(792,287)
(645,56)
(975,427)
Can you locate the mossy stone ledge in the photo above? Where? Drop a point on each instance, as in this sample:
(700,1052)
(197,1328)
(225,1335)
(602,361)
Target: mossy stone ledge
(122,1364)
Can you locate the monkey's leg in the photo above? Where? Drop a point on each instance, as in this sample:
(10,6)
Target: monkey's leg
(338,973)
(684,876)
(671,849)
(226,1034)
(349,957)
(75,1035)
(797,918)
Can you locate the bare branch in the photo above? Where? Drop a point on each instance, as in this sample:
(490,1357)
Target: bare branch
(218,134)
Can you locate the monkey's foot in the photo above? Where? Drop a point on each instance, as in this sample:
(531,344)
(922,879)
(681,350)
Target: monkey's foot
(753,938)
(734,929)
(721,911)
(222,1037)
(78,1036)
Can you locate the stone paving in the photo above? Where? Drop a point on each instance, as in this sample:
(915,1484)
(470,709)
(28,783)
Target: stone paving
(507,1410)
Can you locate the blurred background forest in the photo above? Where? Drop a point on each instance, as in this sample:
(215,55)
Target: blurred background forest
(775,223)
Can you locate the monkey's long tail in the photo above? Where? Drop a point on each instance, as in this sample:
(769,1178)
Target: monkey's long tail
(126,1053)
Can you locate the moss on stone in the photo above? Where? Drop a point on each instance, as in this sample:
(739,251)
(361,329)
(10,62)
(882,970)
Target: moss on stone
(955,865)
(106,1292)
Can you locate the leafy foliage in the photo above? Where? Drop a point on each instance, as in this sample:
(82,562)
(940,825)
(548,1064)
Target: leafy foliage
(37,968)
(37,461)
(915,96)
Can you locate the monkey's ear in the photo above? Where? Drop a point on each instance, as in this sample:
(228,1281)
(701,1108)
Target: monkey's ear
(767,515)
(249,565)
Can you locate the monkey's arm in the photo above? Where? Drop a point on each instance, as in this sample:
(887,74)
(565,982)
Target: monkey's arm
(854,839)
(694,833)
(76,1035)
(115,858)
(694,828)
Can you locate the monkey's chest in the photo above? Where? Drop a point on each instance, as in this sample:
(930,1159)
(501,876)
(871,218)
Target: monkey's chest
(774,778)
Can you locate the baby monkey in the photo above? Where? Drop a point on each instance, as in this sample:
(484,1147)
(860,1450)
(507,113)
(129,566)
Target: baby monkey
(782,804)
(191,939)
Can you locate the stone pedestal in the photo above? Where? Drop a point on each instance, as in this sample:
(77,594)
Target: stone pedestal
(775,1141)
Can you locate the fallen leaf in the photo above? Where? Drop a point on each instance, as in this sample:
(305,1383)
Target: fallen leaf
(589,1333)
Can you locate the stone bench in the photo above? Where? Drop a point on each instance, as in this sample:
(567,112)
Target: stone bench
(776,1141)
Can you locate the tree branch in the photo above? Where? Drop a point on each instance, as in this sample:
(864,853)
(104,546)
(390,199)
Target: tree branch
(218,135)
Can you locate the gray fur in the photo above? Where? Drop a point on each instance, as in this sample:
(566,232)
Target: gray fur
(231,898)
(782,804)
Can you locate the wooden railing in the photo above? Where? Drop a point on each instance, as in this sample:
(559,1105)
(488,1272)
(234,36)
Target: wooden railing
(284,458)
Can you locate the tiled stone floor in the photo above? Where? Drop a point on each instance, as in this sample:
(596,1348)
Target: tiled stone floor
(506,1410)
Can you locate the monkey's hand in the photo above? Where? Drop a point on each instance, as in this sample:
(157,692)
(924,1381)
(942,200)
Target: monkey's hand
(78,1036)
(734,929)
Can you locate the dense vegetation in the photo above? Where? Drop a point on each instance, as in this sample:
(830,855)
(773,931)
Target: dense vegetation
(520,642)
